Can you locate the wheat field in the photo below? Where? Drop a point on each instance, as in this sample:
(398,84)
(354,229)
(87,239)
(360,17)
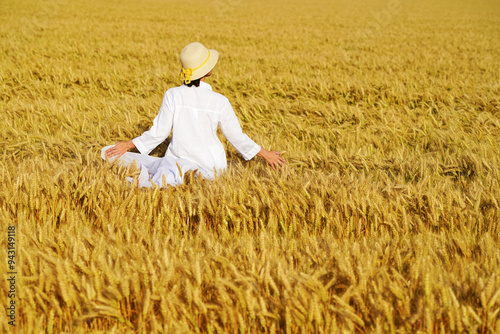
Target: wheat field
(385,219)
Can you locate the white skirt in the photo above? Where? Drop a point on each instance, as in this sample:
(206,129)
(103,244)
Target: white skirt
(165,171)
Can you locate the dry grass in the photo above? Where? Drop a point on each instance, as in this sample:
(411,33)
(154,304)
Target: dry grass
(386,218)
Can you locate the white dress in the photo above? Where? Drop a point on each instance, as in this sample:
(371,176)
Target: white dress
(192,114)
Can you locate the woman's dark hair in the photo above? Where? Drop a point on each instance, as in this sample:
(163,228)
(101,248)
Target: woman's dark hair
(195,83)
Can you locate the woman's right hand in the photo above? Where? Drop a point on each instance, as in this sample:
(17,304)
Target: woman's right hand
(273,158)
(119,149)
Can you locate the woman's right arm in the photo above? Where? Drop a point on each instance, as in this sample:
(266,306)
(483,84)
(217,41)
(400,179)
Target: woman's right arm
(231,128)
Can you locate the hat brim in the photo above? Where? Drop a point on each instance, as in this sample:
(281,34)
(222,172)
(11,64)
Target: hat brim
(207,67)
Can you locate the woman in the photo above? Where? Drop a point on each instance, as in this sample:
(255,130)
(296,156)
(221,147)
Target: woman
(192,112)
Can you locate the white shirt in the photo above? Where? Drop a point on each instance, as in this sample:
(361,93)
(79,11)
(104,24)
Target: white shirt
(193,114)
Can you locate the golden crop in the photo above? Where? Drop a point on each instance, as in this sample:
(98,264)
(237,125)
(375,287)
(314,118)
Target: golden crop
(386,218)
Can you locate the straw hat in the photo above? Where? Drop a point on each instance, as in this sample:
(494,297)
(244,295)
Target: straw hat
(197,61)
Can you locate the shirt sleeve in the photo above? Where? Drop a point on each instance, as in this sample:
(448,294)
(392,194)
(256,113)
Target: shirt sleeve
(231,129)
(160,130)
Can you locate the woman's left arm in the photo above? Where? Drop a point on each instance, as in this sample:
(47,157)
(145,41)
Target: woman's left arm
(161,128)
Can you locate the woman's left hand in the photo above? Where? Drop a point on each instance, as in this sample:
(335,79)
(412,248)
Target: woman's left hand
(119,149)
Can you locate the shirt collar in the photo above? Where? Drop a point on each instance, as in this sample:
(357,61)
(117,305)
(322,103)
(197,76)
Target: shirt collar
(205,85)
